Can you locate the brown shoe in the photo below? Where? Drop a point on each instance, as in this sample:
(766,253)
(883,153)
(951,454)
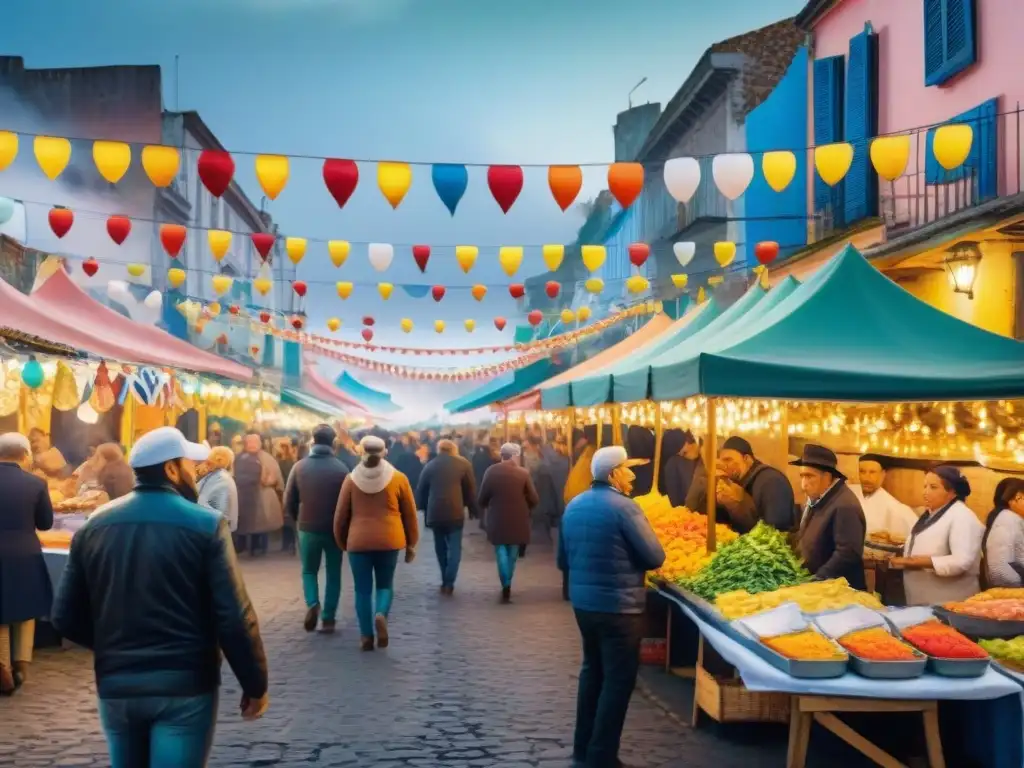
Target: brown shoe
(506,595)
(328,627)
(366,644)
(312,618)
(380,623)
(7,685)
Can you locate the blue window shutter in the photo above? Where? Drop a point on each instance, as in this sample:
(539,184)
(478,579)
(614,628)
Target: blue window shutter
(949,44)
(982,161)
(860,193)
(828,125)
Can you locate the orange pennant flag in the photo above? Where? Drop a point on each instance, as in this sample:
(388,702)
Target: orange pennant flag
(565,182)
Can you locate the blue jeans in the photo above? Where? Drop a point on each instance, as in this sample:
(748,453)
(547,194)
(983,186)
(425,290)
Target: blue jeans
(159,731)
(448,548)
(313,548)
(507,555)
(368,568)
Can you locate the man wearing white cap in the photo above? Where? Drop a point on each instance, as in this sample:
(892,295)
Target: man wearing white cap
(153,587)
(606,547)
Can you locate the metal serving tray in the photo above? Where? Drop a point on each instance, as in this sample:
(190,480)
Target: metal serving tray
(707,610)
(949,667)
(976,628)
(801,668)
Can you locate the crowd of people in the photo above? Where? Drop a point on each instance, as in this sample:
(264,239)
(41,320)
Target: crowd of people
(153,586)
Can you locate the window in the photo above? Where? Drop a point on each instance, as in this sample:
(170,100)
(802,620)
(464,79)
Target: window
(949,46)
(860,188)
(981,165)
(828,129)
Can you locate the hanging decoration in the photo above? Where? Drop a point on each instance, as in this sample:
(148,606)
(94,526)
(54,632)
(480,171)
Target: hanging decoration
(90,266)
(344,290)
(701,295)
(725,252)
(832,161)
(553,255)
(338,250)
(161,164)
(778,168)
(381,255)
(52,155)
(450,183)
(421,255)
(8,148)
(176,277)
(263,242)
(951,145)
(220,242)
(567,316)
(637,284)
(272,172)
(469,324)
(535,318)
(300,288)
(368,320)
(333,324)
(890,156)
(638,253)
(394,180)
(7,208)
(112,159)
(684,252)
(60,220)
(517,290)
(437,292)
(499,323)
(466,255)
(216,170)
(478,291)
(221,284)
(298,323)
(367,334)
(593,256)
(715,280)
(439,326)
(552,289)
(32,374)
(385,290)
(263,285)
(505,183)
(265,317)
(625,182)
(172,238)
(565,183)
(511,258)
(119,227)
(295,247)
(732,173)
(594,284)
(406,325)
(682,178)
(766,251)
(136,270)
(680,281)
(341,177)
(582,314)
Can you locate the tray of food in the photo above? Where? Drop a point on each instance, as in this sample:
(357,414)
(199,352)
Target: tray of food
(878,654)
(950,653)
(881,545)
(790,642)
(994,618)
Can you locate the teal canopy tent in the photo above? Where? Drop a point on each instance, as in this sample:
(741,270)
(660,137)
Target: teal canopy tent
(378,402)
(596,388)
(300,399)
(850,334)
(506,386)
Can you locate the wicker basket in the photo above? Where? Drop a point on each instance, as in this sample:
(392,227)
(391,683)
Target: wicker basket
(727,700)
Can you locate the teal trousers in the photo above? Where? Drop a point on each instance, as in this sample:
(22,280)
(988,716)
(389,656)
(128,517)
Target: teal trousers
(314,548)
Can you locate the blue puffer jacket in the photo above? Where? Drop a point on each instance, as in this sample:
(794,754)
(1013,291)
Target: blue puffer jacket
(607,546)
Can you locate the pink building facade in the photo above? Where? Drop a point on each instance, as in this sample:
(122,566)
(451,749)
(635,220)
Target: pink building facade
(930,62)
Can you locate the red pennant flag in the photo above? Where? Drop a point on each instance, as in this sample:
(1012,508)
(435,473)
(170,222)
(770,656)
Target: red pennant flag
(368,320)
(234,309)
(264,317)
(368,334)
(421,253)
(119,227)
(90,267)
(216,169)
(299,287)
(766,251)
(499,323)
(263,242)
(517,290)
(172,237)
(437,292)
(505,182)
(61,220)
(297,323)
(535,317)
(341,178)
(552,288)
(638,253)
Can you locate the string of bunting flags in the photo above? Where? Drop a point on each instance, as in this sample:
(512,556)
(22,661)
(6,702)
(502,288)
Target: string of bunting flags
(732,173)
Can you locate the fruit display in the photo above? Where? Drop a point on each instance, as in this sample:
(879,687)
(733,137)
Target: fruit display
(55,539)
(1009,653)
(806,645)
(683,534)
(998,593)
(812,597)
(876,644)
(998,609)
(942,642)
(759,561)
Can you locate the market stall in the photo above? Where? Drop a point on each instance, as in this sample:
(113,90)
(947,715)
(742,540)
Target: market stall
(375,400)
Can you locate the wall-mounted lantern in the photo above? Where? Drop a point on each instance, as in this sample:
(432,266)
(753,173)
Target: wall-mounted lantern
(962,264)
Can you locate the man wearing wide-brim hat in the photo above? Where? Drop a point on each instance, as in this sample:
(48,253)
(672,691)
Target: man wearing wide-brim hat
(832,529)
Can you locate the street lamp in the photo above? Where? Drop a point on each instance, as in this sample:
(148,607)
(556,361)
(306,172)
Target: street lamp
(962,264)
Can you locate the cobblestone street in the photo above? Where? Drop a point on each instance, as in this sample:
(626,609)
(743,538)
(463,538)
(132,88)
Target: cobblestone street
(466,682)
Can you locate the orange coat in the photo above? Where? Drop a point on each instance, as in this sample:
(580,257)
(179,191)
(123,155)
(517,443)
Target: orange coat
(376,511)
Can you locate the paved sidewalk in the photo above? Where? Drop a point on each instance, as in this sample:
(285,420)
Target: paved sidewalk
(466,682)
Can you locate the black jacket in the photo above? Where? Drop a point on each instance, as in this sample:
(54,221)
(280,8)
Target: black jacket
(314,485)
(482,460)
(767,495)
(153,587)
(832,536)
(679,474)
(445,490)
(25,590)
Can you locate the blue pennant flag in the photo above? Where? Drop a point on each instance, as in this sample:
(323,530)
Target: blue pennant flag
(450,182)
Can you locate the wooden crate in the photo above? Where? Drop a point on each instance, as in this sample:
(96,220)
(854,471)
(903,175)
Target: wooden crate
(727,700)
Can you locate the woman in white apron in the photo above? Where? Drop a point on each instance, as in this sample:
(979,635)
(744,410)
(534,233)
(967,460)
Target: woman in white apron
(941,559)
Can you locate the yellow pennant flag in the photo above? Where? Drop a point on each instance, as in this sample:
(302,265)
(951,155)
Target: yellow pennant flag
(594,284)
(469,324)
(394,180)
(406,325)
(112,159)
(220,242)
(725,252)
(553,255)
(338,250)
(951,145)
(52,154)
(582,314)
(637,284)
(272,172)
(295,247)
(176,277)
(8,148)
(779,168)
(466,255)
(567,316)
(890,156)
(439,326)
(385,290)
(593,256)
(833,162)
(344,290)
(510,257)
(263,285)
(680,281)
(221,284)
(160,164)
